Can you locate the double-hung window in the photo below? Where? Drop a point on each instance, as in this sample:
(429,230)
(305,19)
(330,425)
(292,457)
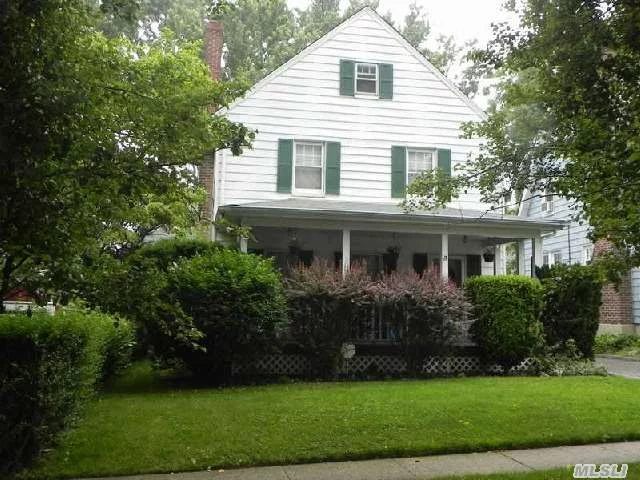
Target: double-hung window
(551,258)
(367,78)
(547,202)
(308,169)
(418,161)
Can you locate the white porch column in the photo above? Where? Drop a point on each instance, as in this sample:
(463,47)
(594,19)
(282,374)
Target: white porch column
(498,261)
(537,242)
(521,259)
(444,257)
(243,244)
(346,250)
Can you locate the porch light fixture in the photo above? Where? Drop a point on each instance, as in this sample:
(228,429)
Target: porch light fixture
(489,255)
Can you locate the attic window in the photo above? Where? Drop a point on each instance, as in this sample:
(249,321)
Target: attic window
(367,78)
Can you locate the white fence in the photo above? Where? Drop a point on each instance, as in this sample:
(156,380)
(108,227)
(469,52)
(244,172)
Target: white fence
(298,365)
(17,306)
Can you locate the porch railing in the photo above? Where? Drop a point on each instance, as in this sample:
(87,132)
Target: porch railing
(375,328)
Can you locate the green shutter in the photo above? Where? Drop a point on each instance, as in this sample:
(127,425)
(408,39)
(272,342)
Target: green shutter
(332,179)
(398,171)
(285,165)
(444,160)
(347,77)
(385,70)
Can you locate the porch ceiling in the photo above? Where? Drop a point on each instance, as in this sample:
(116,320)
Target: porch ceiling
(327,213)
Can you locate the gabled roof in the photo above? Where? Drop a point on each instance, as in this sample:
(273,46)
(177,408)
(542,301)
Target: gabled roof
(365,11)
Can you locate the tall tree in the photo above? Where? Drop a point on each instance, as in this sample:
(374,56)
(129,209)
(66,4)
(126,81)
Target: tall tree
(319,17)
(576,65)
(94,131)
(258,38)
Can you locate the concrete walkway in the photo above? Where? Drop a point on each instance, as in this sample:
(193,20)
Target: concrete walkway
(426,467)
(629,368)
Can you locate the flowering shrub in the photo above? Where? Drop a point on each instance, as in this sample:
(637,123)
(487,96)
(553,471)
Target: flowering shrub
(424,311)
(324,305)
(327,309)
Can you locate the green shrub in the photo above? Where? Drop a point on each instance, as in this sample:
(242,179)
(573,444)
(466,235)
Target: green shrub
(236,301)
(49,365)
(324,306)
(610,343)
(565,360)
(507,310)
(136,289)
(572,299)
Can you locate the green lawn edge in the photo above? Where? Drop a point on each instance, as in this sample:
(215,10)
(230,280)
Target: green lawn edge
(242,415)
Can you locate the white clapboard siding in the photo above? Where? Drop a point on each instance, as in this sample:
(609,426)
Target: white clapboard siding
(569,242)
(302,101)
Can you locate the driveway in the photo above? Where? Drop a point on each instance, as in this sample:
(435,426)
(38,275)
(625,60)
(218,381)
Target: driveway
(620,366)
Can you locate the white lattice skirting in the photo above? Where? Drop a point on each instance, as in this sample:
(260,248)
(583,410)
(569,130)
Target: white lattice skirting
(298,365)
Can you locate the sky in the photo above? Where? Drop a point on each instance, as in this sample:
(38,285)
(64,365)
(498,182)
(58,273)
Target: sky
(464,19)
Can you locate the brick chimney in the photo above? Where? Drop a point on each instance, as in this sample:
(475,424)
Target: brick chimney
(213,41)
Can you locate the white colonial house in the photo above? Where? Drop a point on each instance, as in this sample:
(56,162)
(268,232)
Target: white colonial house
(342,128)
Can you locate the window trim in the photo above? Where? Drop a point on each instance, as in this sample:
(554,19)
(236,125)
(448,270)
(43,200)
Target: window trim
(434,160)
(355,81)
(551,257)
(547,205)
(309,192)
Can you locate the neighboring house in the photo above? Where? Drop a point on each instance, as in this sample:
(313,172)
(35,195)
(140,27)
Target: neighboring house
(620,312)
(342,128)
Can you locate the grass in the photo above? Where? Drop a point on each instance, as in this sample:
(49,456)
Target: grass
(559,474)
(140,425)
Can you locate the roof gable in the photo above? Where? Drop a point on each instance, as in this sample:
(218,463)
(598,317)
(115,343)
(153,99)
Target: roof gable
(370,14)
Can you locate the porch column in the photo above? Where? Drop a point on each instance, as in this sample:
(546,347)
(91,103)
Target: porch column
(536,253)
(444,257)
(521,259)
(346,250)
(498,261)
(243,244)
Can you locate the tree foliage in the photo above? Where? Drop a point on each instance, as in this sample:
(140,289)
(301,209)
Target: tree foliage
(567,117)
(260,35)
(96,134)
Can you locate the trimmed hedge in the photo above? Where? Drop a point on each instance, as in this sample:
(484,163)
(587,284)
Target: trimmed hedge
(507,308)
(49,365)
(572,298)
(236,302)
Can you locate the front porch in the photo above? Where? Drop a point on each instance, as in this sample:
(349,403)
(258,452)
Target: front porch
(458,243)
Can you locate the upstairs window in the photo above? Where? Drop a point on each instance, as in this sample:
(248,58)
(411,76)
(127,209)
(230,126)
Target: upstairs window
(367,78)
(547,203)
(418,161)
(308,167)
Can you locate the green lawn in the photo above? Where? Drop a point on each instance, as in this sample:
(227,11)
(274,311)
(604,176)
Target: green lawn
(138,426)
(559,474)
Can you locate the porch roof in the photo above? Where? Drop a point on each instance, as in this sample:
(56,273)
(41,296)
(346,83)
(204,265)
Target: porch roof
(329,209)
